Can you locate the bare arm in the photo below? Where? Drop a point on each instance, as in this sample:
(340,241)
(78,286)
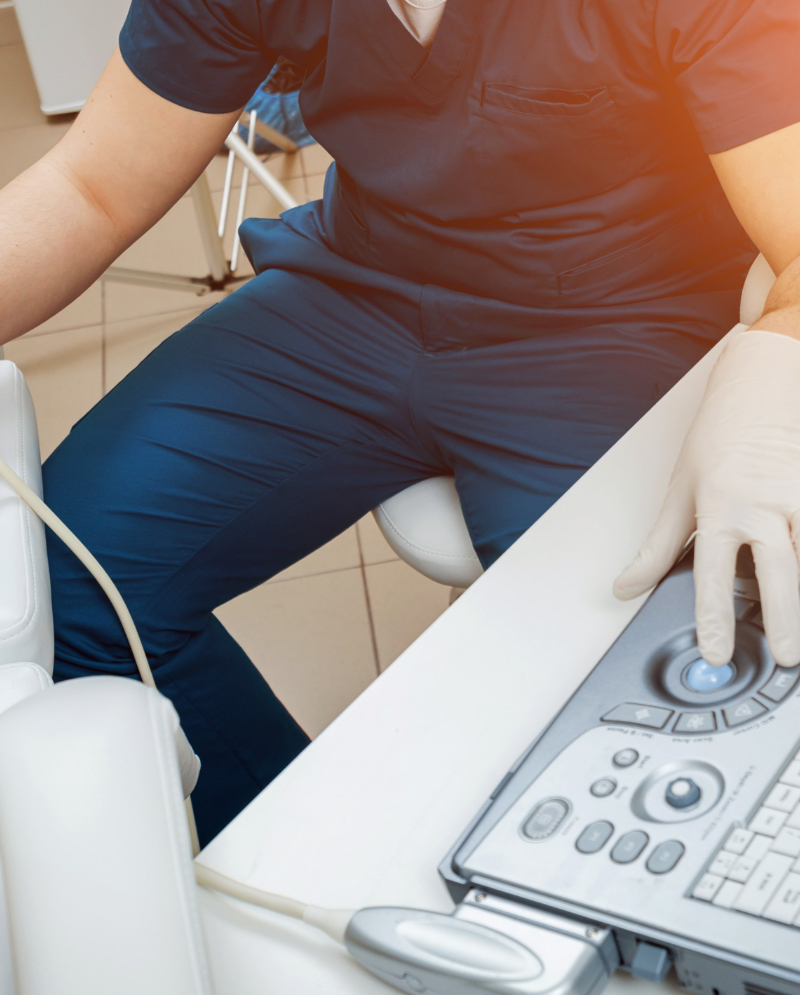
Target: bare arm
(762,182)
(129,156)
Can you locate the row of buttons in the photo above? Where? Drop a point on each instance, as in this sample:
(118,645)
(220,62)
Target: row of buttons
(630,846)
(548,815)
(652,717)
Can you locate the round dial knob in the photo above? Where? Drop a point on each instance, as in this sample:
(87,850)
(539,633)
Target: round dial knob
(682,793)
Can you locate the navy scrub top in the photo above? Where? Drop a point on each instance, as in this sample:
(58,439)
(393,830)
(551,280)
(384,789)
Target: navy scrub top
(542,155)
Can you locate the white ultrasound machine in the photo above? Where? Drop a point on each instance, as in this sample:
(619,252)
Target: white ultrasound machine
(655,823)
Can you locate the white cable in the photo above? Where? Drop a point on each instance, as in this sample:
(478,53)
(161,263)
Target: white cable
(68,537)
(331,921)
(70,540)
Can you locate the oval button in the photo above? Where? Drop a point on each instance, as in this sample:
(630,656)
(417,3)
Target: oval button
(605,786)
(545,819)
(628,847)
(624,758)
(665,857)
(594,837)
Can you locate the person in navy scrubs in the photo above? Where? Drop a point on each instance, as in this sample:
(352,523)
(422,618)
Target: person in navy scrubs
(540,216)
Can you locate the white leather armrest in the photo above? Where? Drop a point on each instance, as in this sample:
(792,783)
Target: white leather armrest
(19,681)
(94,844)
(26,618)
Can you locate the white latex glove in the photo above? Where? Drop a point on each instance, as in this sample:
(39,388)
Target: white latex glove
(736,482)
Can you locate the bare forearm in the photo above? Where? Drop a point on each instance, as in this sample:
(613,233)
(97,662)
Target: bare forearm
(53,245)
(126,160)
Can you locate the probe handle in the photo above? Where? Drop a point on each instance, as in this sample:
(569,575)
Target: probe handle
(427,952)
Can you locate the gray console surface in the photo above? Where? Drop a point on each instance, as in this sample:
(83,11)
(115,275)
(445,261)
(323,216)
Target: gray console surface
(622,806)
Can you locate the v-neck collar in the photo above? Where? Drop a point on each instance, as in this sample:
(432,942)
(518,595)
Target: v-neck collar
(433,69)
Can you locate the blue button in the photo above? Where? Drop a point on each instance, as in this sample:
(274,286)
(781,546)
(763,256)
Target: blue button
(701,676)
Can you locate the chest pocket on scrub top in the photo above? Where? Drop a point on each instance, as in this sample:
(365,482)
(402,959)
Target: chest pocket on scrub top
(542,146)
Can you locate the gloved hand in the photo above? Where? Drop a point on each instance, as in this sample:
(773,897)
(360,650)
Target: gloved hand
(737,481)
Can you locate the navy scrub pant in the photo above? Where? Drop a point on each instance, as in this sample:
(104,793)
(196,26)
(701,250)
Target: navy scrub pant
(273,422)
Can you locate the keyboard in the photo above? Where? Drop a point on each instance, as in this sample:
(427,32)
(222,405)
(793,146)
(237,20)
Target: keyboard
(757,870)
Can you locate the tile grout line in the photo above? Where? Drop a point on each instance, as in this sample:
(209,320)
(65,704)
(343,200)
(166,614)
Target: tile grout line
(324,573)
(117,321)
(370,619)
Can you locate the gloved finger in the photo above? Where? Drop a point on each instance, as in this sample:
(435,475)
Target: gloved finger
(779,584)
(714,570)
(662,547)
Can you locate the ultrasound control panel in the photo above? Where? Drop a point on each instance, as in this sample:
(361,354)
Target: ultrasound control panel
(664,802)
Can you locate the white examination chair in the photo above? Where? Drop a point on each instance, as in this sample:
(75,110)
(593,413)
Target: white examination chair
(99,889)
(424,524)
(98,893)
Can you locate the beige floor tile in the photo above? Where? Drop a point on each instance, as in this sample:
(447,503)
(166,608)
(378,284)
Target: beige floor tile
(314,186)
(310,638)
(125,301)
(340,553)
(286,165)
(128,342)
(64,373)
(86,310)
(403,604)
(374,548)
(19,100)
(315,159)
(22,147)
(9,29)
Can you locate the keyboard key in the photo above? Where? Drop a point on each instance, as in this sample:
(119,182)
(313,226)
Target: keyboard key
(605,786)
(796,866)
(727,894)
(594,837)
(742,869)
(696,722)
(781,683)
(707,887)
(624,758)
(783,798)
(738,841)
(792,774)
(744,712)
(767,821)
(629,846)
(640,715)
(787,842)
(665,857)
(793,822)
(545,819)
(722,863)
(760,889)
(785,906)
(759,847)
